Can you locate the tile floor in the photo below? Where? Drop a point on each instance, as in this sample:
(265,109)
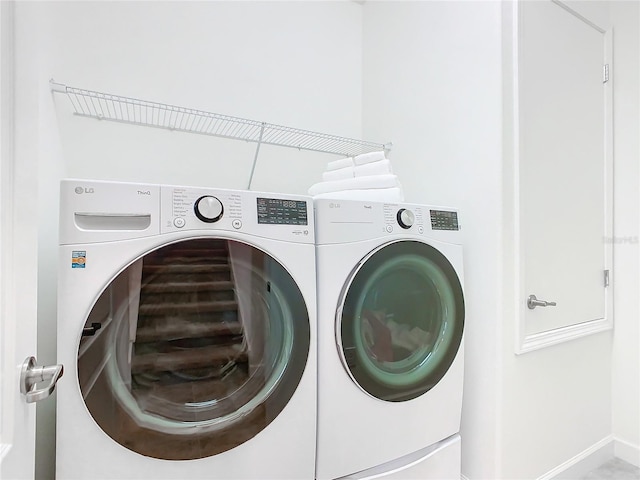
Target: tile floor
(614,469)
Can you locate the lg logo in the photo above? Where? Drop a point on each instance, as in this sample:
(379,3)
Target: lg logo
(81,190)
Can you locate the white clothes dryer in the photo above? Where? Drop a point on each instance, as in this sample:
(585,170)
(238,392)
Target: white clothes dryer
(187,329)
(390,340)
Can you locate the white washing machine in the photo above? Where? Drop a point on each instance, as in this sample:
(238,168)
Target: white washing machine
(187,329)
(390,340)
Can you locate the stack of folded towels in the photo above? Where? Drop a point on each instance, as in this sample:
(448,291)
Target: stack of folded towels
(364,177)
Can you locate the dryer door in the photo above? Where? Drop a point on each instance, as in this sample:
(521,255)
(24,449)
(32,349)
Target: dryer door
(193,349)
(401,321)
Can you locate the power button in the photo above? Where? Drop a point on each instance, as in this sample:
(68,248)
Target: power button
(179,222)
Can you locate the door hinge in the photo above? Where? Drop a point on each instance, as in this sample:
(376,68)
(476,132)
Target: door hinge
(605,73)
(606,278)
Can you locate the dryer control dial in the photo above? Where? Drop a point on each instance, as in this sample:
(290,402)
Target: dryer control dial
(208,209)
(406,218)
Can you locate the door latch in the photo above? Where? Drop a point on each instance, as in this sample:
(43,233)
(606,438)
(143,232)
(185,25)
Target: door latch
(91,331)
(31,375)
(533,302)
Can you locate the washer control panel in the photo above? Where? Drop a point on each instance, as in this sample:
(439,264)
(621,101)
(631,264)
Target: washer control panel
(98,211)
(190,207)
(444,220)
(280,216)
(208,209)
(278,211)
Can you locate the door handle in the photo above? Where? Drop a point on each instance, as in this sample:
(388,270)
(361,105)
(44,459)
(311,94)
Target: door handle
(533,302)
(32,375)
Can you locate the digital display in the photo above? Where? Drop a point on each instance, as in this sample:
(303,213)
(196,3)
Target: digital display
(277,211)
(443,220)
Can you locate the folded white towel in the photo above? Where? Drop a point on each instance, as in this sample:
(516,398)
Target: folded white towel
(368,158)
(342,163)
(340,174)
(389,195)
(380,167)
(360,183)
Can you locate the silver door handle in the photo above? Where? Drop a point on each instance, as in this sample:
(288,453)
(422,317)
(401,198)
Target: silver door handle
(32,375)
(533,302)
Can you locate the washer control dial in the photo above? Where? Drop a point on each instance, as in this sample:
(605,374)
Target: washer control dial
(406,218)
(208,209)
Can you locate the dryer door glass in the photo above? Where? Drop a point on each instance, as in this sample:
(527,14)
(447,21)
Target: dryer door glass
(401,321)
(193,349)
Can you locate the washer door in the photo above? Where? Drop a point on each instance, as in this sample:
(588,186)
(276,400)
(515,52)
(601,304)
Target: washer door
(401,321)
(193,349)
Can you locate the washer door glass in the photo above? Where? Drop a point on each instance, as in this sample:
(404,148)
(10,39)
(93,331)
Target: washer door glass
(401,321)
(193,349)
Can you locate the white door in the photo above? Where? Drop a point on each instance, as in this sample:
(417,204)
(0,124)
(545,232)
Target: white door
(18,334)
(18,278)
(564,173)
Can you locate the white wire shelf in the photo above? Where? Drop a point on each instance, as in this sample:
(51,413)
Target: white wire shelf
(105,106)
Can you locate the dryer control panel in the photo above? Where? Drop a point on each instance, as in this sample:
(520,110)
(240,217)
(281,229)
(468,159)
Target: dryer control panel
(343,221)
(404,216)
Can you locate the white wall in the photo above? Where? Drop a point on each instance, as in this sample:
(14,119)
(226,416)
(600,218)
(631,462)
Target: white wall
(432,84)
(556,402)
(569,407)
(290,63)
(268,61)
(625,17)
(426,75)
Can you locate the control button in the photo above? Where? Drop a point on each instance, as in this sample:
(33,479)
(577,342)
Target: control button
(420,229)
(406,218)
(236,224)
(179,222)
(208,209)
(389,228)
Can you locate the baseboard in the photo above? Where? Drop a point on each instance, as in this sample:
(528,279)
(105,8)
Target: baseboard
(591,458)
(584,462)
(627,451)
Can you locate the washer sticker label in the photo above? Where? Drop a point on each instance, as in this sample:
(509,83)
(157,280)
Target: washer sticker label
(78,259)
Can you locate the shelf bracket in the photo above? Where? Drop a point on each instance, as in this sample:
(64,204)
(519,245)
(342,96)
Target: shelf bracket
(57,87)
(255,157)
